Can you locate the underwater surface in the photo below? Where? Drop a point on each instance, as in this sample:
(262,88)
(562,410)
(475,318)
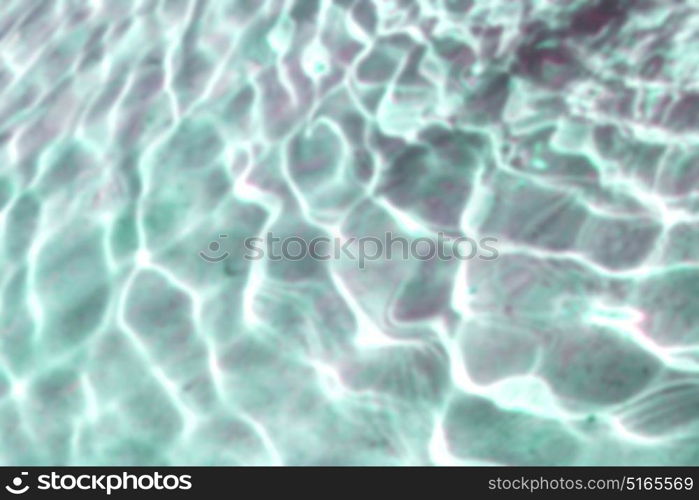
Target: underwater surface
(143,143)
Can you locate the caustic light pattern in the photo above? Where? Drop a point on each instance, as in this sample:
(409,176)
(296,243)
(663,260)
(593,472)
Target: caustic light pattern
(134,134)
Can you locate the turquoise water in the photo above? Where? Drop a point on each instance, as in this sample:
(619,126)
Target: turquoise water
(134,135)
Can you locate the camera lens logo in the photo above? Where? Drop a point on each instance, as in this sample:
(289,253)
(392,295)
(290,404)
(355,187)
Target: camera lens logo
(16,488)
(214,246)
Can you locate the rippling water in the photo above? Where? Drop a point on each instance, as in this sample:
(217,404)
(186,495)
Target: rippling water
(134,135)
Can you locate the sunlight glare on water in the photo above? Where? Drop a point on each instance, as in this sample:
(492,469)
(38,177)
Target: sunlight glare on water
(136,137)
